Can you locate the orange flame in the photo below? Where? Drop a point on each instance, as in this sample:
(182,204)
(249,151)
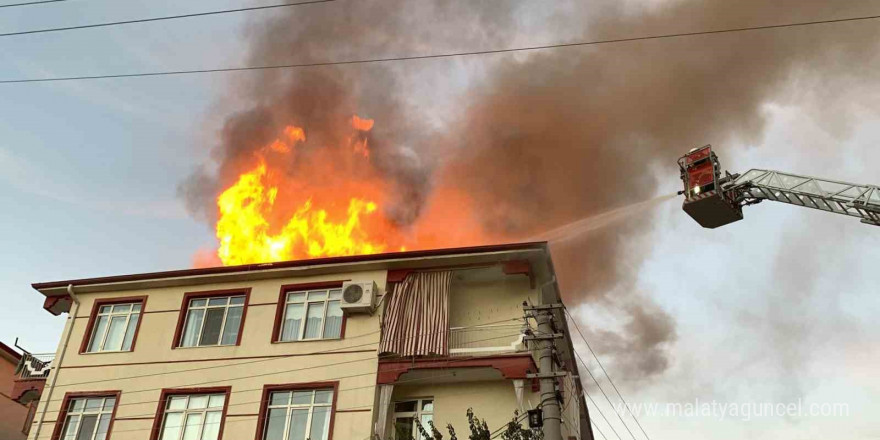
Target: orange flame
(332,206)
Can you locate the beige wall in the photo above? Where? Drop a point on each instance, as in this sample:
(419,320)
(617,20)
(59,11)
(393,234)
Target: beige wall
(159,366)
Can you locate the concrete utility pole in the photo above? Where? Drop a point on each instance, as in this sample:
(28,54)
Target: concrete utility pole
(547,373)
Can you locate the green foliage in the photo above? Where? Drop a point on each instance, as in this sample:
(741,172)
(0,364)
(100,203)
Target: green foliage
(479,430)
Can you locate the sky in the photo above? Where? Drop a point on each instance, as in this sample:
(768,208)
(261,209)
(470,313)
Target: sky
(89,173)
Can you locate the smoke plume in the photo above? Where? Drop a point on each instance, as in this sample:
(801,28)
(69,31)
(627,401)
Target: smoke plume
(541,139)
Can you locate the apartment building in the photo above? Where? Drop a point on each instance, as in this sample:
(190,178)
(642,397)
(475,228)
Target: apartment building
(344,348)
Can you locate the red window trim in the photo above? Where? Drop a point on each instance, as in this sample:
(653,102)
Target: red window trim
(184,306)
(93,316)
(167,392)
(65,403)
(282,296)
(264,402)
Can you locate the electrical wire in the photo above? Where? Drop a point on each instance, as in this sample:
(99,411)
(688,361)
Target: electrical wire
(331,351)
(604,372)
(601,414)
(30,3)
(275,372)
(148,20)
(248,417)
(436,56)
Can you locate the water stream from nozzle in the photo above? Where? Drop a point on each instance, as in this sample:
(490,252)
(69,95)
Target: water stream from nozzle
(586,225)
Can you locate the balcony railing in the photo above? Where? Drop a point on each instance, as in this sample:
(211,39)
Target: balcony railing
(495,338)
(34,366)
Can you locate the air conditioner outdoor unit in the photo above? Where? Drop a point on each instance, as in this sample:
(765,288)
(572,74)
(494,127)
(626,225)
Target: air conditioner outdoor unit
(359,297)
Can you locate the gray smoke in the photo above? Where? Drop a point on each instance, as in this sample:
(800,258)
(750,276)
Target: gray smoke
(544,138)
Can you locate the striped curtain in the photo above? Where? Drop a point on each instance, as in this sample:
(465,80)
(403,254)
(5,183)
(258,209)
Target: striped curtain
(416,322)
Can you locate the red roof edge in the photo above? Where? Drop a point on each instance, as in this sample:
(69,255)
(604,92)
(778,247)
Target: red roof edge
(293,263)
(9,350)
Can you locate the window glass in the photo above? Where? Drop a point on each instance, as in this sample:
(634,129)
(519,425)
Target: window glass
(121,308)
(275,424)
(194,417)
(230,328)
(98,333)
(314,319)
(88,418)
(292,322)
(407,412)
(212,326)
(177,402)
(320,423)
(299,419)
(116,333)
(302,397)
(114,327)
(305,416)
(279,398)
(218,301)
(193,328)
(333,326)
(213,321)
(318,296)
(216,401)
(192,427)
(198,402)
(312,315)
(323,396)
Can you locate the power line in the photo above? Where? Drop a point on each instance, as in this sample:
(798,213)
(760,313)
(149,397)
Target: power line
(601,414)
(30,3)
(148,20)
(434,56)
(67,385)
(605,372)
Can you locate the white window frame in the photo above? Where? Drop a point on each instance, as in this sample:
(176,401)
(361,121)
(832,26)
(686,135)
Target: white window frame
(110,314)
(186,411)
(416,415)
(101,411)
(332,295)
(289,407)
(206,307)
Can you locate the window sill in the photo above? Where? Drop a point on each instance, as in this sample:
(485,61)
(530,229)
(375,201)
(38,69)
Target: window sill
(205,346)
(107,352)
(308,340)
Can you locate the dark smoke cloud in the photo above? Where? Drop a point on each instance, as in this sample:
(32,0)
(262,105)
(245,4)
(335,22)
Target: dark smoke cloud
(544,138)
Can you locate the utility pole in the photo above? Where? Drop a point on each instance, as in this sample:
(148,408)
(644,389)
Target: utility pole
(547,373)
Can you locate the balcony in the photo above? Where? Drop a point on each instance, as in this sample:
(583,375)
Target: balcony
(486,339)
(30,376)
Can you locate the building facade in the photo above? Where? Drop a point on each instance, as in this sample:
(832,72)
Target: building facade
(278,351)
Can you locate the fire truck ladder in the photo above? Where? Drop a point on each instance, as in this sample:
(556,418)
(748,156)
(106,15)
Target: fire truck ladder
(862,201)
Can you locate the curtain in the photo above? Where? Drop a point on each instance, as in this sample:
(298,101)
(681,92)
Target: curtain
(417,319)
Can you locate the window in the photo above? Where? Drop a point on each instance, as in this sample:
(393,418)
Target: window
(313,314)
(298,414)
(407,412)
(114,328)
(214,320)
(192,416)
(113,325)
(87,418)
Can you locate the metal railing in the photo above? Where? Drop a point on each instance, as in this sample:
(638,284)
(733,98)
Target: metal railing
(494,338)
(34,366)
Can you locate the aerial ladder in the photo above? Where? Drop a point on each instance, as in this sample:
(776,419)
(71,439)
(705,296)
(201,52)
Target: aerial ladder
(714,199)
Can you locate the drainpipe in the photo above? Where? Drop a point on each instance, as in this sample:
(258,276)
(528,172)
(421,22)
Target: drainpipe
(59,358)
